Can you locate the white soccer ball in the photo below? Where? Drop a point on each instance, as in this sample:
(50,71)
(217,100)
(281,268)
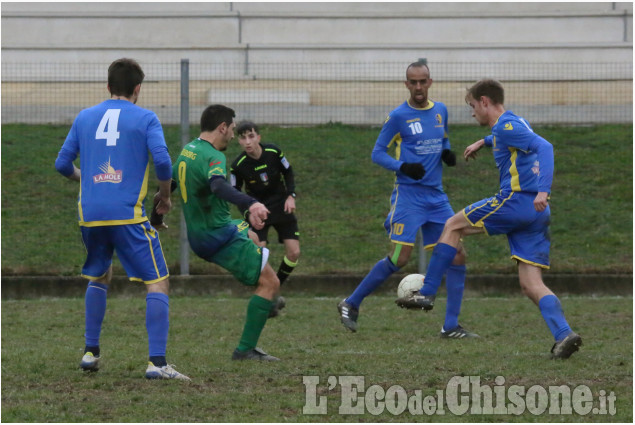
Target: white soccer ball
(410,284)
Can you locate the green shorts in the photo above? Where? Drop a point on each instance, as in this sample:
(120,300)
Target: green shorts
(231,248)
(240,256)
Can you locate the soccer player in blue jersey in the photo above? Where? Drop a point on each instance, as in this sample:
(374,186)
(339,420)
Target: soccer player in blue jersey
(520,210)
(419,129)
(113,139)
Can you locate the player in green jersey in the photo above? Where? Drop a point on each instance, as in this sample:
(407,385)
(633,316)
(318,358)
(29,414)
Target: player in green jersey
(200,173)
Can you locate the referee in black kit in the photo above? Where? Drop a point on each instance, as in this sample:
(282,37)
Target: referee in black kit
(268,177)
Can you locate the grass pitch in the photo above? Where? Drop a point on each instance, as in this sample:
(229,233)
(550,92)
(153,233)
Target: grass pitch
(42,344)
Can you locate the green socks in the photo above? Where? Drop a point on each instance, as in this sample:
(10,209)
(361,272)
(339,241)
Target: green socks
(257,314)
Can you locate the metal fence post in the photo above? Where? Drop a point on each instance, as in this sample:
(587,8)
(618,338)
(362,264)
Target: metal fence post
(185,139)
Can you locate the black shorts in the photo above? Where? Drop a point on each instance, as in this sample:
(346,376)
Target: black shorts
(286,226)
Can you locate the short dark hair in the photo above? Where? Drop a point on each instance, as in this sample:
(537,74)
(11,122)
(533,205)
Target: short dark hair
(215,115)
(417,64)
(488,88)
(246,126)
(123,76)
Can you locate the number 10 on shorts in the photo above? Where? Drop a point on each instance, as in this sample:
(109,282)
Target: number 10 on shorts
(397,228)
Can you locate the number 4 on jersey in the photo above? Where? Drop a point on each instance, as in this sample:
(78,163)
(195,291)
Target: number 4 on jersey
(110,120)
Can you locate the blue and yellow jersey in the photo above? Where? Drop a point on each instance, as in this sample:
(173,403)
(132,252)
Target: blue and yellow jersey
(524,159)
(419,135)
(113,140)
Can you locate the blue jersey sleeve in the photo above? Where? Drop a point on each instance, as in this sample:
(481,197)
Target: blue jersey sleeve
(544,151)
(68,153)
(516,133)
(388,134)
(159,150)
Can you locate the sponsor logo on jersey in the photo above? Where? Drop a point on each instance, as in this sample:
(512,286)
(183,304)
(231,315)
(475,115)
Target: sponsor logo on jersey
(508,126)
(284,162)
(218,171)
(109,174)
(188,154)
(536,168)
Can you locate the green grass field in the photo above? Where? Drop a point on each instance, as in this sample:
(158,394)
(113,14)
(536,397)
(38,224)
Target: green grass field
(343,199)
(42,344)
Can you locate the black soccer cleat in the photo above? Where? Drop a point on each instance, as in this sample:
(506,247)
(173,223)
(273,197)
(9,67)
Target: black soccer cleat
(348,315)
(416,302)
(457,333)
(278,304)
(254,354)
(566,346)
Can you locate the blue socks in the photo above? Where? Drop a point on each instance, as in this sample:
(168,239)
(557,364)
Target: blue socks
(95,304)
(440,261)
(377,275)
(551,311)
(455,284)
(157,325)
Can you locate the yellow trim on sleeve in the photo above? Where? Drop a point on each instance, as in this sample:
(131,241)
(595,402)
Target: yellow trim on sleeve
(395,139)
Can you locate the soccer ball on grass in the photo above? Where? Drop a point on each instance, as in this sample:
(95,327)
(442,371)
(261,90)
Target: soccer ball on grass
(410,284)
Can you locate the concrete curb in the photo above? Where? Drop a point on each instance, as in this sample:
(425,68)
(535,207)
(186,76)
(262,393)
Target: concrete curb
(26,287)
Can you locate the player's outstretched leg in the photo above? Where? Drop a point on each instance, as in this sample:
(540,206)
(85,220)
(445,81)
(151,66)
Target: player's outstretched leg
(349,307)
(441,259)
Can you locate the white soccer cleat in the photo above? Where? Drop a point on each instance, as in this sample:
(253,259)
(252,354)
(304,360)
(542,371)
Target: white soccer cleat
(164,372)
(89,362)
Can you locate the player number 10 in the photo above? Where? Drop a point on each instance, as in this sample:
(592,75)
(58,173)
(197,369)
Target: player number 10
(415,127)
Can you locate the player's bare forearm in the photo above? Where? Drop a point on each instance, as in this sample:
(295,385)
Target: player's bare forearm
(77,175)
(470,151)
(162,200)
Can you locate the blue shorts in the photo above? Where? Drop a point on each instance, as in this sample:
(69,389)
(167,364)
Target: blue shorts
(137,246)
(514,215)
(414,207)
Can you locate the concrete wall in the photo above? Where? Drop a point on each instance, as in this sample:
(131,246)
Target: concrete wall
(317,32)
